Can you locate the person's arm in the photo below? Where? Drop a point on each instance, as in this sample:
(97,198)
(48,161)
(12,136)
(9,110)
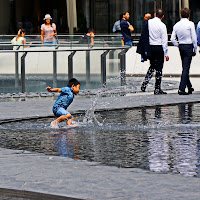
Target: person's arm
(198,34)
(49,89)
(54,29)
(19,32)
(14,39)
(53,34)
(24,42)
(173,38)
(164,37)
(131,28)
(194,37)
(92,38)
(42,36)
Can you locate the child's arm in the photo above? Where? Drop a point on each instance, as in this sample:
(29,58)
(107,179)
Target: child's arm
(53,89)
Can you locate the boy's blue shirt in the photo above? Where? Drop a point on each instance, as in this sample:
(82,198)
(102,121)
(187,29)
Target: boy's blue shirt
(65,99)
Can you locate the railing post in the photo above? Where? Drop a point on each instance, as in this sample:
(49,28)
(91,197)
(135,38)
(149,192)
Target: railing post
(87,67)
(23,72)
(70,65)
(122,56)
(16,69)
(103,68)
(54,69)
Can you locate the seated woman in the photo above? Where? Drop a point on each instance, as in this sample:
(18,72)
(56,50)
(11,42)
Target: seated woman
(19,40)
(48,31)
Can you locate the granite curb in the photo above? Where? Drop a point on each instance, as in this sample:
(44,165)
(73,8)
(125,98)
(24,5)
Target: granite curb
(15,111)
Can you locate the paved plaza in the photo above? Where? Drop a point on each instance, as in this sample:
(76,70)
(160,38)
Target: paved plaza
(79,179)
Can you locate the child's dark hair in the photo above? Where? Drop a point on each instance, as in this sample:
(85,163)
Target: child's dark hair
(91,30)
(73,81)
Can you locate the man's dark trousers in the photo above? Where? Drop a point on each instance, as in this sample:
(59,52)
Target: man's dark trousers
(186,52)
(156,64)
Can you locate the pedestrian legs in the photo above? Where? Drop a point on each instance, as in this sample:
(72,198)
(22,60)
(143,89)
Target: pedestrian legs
(156,64)
(148,77)
(186,52)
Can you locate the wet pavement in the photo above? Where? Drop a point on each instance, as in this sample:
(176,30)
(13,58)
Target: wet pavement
(34,172)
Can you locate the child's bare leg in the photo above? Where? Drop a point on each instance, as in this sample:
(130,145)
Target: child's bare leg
(69,122)
(60,119)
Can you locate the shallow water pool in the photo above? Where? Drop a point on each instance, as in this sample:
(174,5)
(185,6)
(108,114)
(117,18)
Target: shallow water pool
(160,139)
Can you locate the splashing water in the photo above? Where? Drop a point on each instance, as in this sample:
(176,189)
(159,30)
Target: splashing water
(90,117)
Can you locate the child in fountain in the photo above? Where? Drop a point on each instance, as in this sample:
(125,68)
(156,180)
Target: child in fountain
(64,100)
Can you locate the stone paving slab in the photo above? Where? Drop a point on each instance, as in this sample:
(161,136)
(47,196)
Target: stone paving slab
(86,180)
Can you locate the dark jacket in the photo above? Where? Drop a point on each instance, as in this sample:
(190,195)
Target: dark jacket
(143,46)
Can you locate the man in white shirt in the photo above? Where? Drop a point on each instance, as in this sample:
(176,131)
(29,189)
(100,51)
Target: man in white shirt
(159,49)
(184,30)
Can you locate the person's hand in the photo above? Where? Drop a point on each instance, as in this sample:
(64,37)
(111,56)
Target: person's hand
(49,89)
(92,35)
(167,58)
(28,46)
(131,28)
(19,32)
(194,54)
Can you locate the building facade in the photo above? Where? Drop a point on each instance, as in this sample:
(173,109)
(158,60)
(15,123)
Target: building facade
(97,14)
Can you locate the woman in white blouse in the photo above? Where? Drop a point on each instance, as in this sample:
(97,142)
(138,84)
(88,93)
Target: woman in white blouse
(19,40)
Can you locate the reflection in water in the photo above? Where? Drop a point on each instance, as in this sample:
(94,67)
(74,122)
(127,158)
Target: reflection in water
(198,157)
(64,145)
(174,152)
(185,113)
(160,139)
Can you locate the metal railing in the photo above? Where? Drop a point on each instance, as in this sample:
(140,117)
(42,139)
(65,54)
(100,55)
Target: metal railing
(72,51)
(69,40)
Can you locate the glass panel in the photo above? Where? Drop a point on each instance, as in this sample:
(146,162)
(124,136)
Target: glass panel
(116,8)
(195,7)
(9,81)
(143,7)
(171,11)
(113,69)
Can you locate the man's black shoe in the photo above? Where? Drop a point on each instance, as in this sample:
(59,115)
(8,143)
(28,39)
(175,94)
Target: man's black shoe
(159,91)
(190,90)
(180,92)
(143,88)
